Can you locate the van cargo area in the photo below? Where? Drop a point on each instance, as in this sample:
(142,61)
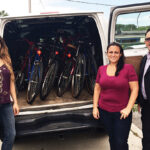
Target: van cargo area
(44,30)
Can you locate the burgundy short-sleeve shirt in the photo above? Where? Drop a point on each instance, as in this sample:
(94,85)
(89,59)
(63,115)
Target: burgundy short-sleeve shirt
(114,94)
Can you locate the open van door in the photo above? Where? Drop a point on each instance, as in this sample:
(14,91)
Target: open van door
(61,37)
(127,26)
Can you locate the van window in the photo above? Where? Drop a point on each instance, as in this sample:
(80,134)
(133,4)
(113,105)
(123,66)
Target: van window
(130,29)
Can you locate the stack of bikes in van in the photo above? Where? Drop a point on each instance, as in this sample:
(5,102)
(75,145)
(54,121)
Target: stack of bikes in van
(60,62)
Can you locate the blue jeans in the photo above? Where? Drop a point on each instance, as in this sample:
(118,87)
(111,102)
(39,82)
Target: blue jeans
(7,122)
(118,130)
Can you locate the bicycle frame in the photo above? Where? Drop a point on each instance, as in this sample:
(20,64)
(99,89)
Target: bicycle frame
(36,60)
(28,59)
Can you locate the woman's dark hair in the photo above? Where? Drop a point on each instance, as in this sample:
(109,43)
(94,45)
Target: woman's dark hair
(121,60)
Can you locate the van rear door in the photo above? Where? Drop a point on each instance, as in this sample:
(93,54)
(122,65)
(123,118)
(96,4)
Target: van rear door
(127,25)
(55,113)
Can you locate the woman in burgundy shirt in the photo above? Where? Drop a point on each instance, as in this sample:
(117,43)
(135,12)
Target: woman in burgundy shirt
(115,93)
(8,99)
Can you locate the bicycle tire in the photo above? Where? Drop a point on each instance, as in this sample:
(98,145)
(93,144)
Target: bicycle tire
(65,79)
(34,82)
(20,80)
(79,76)
(92,72)
(49,80)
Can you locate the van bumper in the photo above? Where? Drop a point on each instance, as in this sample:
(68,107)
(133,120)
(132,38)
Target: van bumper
(56,122)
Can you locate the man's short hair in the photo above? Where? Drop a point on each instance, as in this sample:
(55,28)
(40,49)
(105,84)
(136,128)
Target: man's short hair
(148,30)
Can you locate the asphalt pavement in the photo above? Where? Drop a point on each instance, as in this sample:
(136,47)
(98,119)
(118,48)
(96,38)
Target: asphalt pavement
(135,136)
(136,119)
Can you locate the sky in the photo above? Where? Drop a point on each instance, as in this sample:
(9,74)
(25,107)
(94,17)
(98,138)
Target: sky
(20,7)
(137,18)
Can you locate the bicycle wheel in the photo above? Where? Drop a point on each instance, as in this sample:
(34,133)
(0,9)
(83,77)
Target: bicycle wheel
(78,76)
(92,72)
(20,80)
(65,79)
(34,82)
(49,80)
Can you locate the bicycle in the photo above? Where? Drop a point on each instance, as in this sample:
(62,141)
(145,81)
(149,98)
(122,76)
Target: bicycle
(55,65)
(52,69)
(78,77)
(91,69)
(82,64)
(22,75)
(75,64)
(35,76)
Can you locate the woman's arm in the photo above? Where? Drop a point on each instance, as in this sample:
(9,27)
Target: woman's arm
(134,87)
(14,97)
(97,90)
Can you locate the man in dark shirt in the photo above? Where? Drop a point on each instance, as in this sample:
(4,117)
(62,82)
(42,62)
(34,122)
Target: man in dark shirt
(144,94)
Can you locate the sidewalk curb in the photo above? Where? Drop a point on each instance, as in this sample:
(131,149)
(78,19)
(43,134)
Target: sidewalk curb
(136,131)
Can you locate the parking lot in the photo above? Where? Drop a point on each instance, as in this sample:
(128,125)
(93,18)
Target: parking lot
(85,140)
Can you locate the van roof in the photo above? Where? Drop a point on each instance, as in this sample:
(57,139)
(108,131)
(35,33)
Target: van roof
(51,14)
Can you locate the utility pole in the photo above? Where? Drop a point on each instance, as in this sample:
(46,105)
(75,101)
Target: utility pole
(29,5)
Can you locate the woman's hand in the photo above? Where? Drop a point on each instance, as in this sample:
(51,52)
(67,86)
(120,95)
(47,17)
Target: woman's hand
(96,113)
(125,113)
(16,109)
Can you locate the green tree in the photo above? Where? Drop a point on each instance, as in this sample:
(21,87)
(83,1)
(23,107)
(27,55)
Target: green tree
(3,13)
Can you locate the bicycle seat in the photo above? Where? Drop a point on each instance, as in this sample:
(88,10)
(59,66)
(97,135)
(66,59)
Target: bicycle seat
(71,46)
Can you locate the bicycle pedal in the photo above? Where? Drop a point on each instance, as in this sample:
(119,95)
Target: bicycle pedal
(34,81)
(78,75)
(65,77)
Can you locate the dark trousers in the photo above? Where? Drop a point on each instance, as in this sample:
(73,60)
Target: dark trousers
(118,130)
(145,117)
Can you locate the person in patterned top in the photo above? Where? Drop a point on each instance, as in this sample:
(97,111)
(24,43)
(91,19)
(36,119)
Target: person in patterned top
(8,99)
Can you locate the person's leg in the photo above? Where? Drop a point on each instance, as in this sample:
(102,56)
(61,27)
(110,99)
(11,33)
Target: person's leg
(107,120)
(8,122)
(121,131)
(1,126)
(145,114)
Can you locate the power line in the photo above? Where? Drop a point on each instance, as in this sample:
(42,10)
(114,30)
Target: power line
(42,4)
(89,3)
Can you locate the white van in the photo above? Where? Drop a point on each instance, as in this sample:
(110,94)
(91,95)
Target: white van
(127,25)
